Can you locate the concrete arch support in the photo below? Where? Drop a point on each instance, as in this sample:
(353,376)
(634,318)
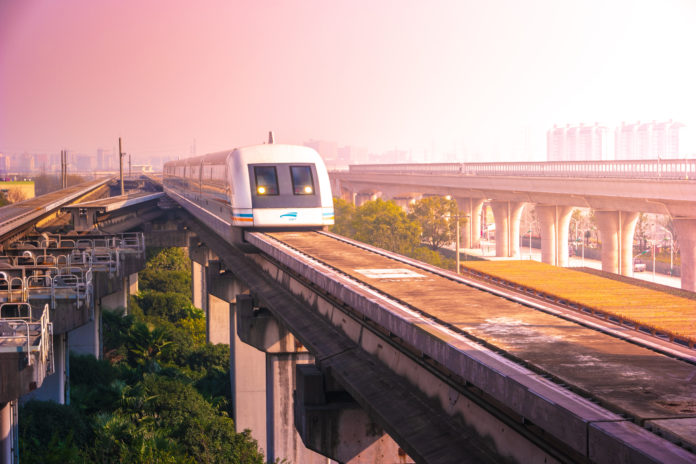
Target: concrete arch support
(554,221)
(471,231)
(616,230)
(507,227)
(686,236)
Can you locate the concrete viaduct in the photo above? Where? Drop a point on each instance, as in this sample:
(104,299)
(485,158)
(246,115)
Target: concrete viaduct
(325,364)
(617,191)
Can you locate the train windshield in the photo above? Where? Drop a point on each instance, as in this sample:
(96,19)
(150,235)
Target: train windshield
(302,182)
(266,180)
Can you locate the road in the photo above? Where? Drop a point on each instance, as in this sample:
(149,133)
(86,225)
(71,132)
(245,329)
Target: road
(487,251)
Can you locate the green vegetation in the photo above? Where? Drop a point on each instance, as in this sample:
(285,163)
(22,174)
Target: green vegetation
(438,219)
(160,395)
(657,310)
(385,225)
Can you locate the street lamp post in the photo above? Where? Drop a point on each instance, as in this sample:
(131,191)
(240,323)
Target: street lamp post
(653,253)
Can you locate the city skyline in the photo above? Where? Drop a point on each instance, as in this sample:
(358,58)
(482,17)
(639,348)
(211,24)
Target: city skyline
(482,82)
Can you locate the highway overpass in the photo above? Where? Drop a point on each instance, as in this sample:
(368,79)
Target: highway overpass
(617,191)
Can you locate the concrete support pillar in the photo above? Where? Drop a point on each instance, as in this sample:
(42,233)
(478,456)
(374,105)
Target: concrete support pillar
(507,227)
(333,424)
(362,198)
(284,442)
(471,231)
(217,321)
(133,284)
(55,386)
(248,379)
(554,222)
(6,438)
(686,236)
(118,299)
(198,285)
(258,328)
(86,339)
(616,230)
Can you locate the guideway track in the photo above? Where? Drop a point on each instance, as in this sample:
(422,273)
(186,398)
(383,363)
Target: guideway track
(540,302)
(439,439)
(624,378)
(17,217)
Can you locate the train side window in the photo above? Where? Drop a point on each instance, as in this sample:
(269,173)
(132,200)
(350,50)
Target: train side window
(302,182)
(266,180)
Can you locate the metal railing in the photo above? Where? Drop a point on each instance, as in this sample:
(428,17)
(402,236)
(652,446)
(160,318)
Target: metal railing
(69,282)
(18,324)
(678,169)
(129,241)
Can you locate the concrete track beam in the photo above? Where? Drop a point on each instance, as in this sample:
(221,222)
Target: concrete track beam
(333,424)
(616,230)
(507,227)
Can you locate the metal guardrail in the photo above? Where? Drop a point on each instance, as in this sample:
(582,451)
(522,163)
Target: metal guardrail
(35,275)
(20,324)
(676,169)
(133,241)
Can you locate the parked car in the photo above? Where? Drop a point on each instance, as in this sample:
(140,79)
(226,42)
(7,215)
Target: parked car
(639,265)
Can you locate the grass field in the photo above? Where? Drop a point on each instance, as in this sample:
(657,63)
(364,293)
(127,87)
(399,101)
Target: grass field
(654,310)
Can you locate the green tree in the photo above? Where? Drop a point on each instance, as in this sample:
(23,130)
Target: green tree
(437,217)
(343,218)
(146,343)
(171,306)
(52,433)
(384,224)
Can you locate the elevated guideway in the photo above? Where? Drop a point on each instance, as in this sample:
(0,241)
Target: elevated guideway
(85,215)
(18,217)
(454,370)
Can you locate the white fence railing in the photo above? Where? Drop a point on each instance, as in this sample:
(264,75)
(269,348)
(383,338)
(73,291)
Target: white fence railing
(634,169)
(18,326)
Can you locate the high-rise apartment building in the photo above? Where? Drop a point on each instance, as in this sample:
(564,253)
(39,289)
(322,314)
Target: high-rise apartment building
(577,143)
(647,140)
(328,150)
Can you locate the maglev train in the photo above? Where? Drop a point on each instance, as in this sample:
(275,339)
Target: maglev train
(270,186)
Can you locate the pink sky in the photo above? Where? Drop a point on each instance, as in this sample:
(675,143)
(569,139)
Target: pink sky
(484,79)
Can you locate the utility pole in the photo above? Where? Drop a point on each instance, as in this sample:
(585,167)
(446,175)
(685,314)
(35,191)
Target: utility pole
(120,164)
(130,173)
(63,169)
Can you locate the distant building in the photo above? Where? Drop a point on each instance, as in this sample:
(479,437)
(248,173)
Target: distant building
(83,163)
(102,160)
(577,143)
(23,163)
(352,155)
(647,140)
(327,150)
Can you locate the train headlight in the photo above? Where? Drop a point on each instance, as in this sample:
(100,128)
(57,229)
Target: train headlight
(261,190)
(308,189)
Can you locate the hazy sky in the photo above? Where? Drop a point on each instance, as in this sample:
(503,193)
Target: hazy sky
(484,78)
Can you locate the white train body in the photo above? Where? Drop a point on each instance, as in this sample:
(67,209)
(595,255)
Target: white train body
(260,186)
